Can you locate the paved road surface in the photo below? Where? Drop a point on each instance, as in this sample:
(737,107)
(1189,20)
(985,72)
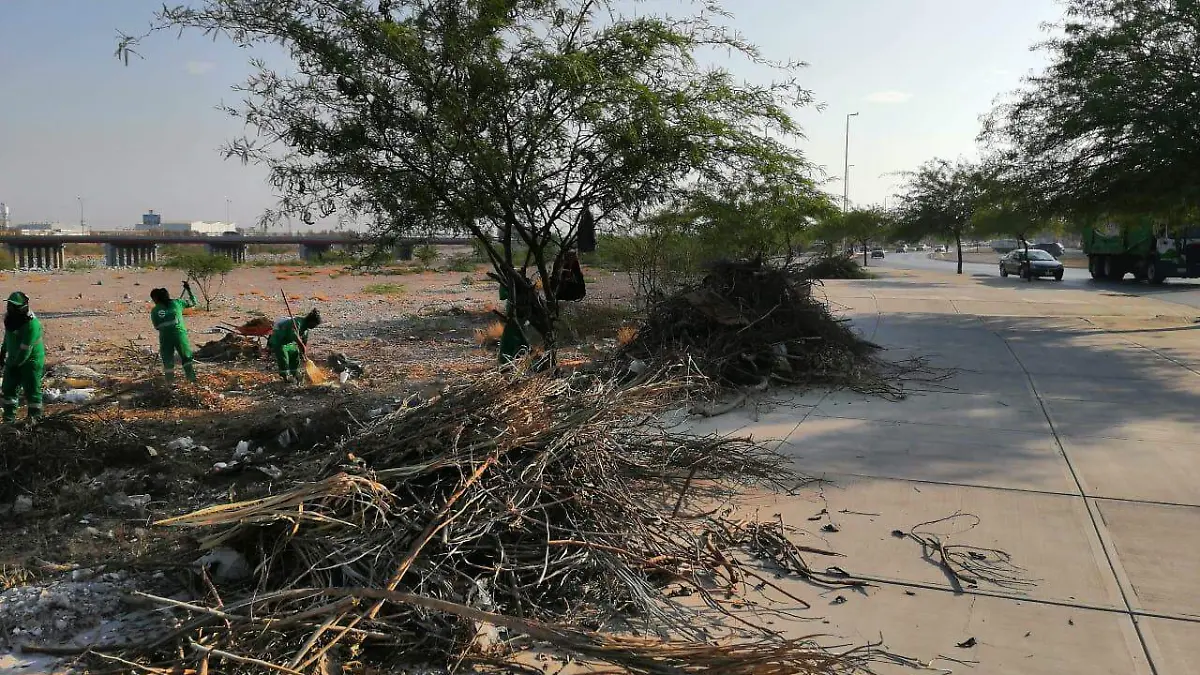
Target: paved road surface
(1070,434)
(1179,291)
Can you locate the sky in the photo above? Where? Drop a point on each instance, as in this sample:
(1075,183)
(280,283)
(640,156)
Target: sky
(77,127)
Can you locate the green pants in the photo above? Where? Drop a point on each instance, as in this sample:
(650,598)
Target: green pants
(27,377)
(287,357)
(171,342)
(513,343)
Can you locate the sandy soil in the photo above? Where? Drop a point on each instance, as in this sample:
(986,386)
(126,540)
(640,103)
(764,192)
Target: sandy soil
(405,322)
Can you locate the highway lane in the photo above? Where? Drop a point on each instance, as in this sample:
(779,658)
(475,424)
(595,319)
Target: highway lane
(1179,291)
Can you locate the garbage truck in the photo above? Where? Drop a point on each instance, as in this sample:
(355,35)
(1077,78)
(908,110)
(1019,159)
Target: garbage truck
(1149,251)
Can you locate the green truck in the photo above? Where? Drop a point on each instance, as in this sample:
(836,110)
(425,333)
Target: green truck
(1150,252)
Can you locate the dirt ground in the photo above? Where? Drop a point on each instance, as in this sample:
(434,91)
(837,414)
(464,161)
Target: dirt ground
(81,490)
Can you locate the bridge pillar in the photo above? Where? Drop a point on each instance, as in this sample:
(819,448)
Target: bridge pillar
(235,251)
(130,255)
(314,251)
(38,256)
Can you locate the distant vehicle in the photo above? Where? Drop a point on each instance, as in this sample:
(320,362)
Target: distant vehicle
(877,253)
(1053,248)
(1035,263)
(922,247)
(1152,252)
(902,248)
(1005,245)
(941,248)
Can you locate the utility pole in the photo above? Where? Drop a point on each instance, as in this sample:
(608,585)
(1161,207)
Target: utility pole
(82,226)
(227,221)
(846,173)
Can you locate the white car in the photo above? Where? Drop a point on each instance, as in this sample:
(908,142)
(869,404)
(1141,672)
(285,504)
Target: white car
(922,247)
(941,248)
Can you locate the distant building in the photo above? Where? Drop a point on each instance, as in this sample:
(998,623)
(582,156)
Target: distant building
(4,216)
(153,222)
(44,228)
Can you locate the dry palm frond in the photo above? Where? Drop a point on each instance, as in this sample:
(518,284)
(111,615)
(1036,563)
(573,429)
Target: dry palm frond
(543,505)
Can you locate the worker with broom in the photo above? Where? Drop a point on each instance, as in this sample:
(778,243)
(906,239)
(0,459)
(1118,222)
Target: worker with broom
(22,358)
(289,343)
(167,317)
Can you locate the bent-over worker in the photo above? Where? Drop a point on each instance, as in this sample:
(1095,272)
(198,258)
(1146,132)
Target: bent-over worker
(167,317)
(23,357)
(289,341)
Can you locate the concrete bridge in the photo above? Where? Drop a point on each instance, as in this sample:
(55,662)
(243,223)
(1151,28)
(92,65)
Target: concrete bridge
(135,249)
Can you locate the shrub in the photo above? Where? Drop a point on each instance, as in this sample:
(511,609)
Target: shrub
(462,263)
(383,289)
(427,254)
(204,270)
(7,262)
(835,267)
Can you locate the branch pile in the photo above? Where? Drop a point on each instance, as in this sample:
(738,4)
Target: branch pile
(510,512)
(748,324)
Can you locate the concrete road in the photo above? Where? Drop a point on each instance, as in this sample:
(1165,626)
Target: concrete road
(1067,436)
(1180,291)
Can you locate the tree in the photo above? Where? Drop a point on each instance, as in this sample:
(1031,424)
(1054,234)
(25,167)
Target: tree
(939,199)
(1110,127)
(203,270)
(507,120)
(860,226)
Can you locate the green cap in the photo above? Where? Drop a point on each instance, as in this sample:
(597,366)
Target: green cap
(18,298)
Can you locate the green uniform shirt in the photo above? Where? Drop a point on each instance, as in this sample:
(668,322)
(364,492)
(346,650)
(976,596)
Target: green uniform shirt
(24,344)
(170,315)
(285,333)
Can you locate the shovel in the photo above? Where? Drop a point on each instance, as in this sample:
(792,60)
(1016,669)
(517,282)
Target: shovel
(314,373)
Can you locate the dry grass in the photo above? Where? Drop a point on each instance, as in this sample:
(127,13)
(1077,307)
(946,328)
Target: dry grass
(489,335)
(320,297)
(626,335)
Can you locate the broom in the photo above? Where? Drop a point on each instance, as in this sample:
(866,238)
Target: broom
(315,376)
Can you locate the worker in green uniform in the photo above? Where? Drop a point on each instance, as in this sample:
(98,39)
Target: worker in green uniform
(23,358)
(167,317)
(289,340)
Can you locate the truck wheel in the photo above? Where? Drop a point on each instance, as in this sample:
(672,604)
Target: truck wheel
(1112,269)
(1155,272)
(1096,267)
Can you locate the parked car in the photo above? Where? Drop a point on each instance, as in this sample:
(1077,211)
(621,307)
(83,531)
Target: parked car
(1038,264)
(1053,248)
(877,253)
(902,248)
(941,248)
(922,247)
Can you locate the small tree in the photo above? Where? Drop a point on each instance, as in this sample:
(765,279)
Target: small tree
(203,270)
(939,199)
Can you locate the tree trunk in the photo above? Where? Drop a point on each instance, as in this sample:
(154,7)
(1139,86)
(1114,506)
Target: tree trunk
(864,247)
(958,245)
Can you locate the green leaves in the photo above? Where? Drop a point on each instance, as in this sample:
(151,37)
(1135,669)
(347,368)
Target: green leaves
(1111,124)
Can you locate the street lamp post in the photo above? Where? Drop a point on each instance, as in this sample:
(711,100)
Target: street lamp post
(82,226)
(227,221)
(846,174)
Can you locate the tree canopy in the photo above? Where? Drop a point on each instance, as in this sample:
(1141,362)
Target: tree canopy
(1110,126)
(510,120)
(939,199)
(860,226)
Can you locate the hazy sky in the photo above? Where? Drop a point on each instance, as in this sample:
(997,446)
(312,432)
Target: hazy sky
(74,122)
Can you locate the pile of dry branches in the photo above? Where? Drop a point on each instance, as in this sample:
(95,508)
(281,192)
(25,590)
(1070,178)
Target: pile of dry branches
(62,448)
(747,324)
(510,512)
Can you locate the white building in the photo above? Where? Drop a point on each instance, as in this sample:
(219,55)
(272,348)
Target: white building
(45,228)
(153,222)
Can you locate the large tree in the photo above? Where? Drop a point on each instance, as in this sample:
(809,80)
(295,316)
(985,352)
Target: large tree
(1110,126)
(939,199)
(513,121)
